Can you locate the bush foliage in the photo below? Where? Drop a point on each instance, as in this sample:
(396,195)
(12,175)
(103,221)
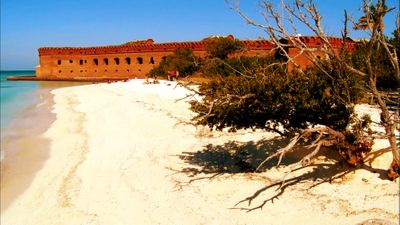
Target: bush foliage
(182,60)
(221,47)
(386,78)
(275,99)
(241,65)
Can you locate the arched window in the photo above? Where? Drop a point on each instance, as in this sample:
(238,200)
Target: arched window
(140,60)
(116,61)
(128,60)
(70,61)
(81,62)
(151,60)
(59,62)
(105,61)
(96,62)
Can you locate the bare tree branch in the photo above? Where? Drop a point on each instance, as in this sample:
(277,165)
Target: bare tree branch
(306,13)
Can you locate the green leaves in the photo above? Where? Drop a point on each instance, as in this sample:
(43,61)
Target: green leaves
(221,47)
(382,67)
(275,99)
(183,60)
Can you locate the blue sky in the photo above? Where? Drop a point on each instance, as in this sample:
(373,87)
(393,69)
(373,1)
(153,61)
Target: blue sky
(27,25)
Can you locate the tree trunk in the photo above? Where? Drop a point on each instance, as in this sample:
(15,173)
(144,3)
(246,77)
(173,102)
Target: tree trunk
(390,127)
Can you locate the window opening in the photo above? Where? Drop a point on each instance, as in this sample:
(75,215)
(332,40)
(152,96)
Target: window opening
(128,60)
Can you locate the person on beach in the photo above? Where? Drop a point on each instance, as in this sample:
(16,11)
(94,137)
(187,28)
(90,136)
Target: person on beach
(172,75)
(156,81)
(147,81)
(169,75)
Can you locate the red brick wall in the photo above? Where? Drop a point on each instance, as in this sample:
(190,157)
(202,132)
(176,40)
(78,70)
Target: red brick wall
(315,44)
(78,66)
(79,63)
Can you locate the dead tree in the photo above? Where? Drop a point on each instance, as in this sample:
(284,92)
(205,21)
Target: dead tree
(282,24)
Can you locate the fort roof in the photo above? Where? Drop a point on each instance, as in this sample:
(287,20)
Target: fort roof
(144,46)
(150,46)
(315,42)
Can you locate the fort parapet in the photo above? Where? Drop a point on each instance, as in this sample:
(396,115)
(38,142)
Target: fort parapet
(136,59)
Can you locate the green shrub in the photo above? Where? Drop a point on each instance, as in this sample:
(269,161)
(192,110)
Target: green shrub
(277,99)
(240,65)
(182,60)
(221,47)
(386,78)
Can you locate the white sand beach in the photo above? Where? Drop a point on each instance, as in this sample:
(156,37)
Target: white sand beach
(124,153)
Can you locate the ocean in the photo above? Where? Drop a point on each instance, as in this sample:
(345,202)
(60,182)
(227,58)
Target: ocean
(25,107)
(15,96)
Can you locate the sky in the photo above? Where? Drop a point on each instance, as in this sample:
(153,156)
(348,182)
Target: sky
(27,25)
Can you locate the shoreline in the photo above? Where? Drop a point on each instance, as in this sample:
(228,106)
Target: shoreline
(24,148)
(124,153)
(75,79)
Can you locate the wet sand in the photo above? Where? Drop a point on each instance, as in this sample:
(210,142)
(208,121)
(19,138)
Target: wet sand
(25,149)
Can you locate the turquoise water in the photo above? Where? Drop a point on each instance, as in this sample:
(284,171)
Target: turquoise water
(25,109)
(19,96)
(15,96)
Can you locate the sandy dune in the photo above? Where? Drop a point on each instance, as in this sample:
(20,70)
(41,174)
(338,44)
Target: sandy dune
(123,153)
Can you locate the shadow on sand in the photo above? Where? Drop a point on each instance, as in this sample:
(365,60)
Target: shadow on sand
(239,158)
(231,157)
